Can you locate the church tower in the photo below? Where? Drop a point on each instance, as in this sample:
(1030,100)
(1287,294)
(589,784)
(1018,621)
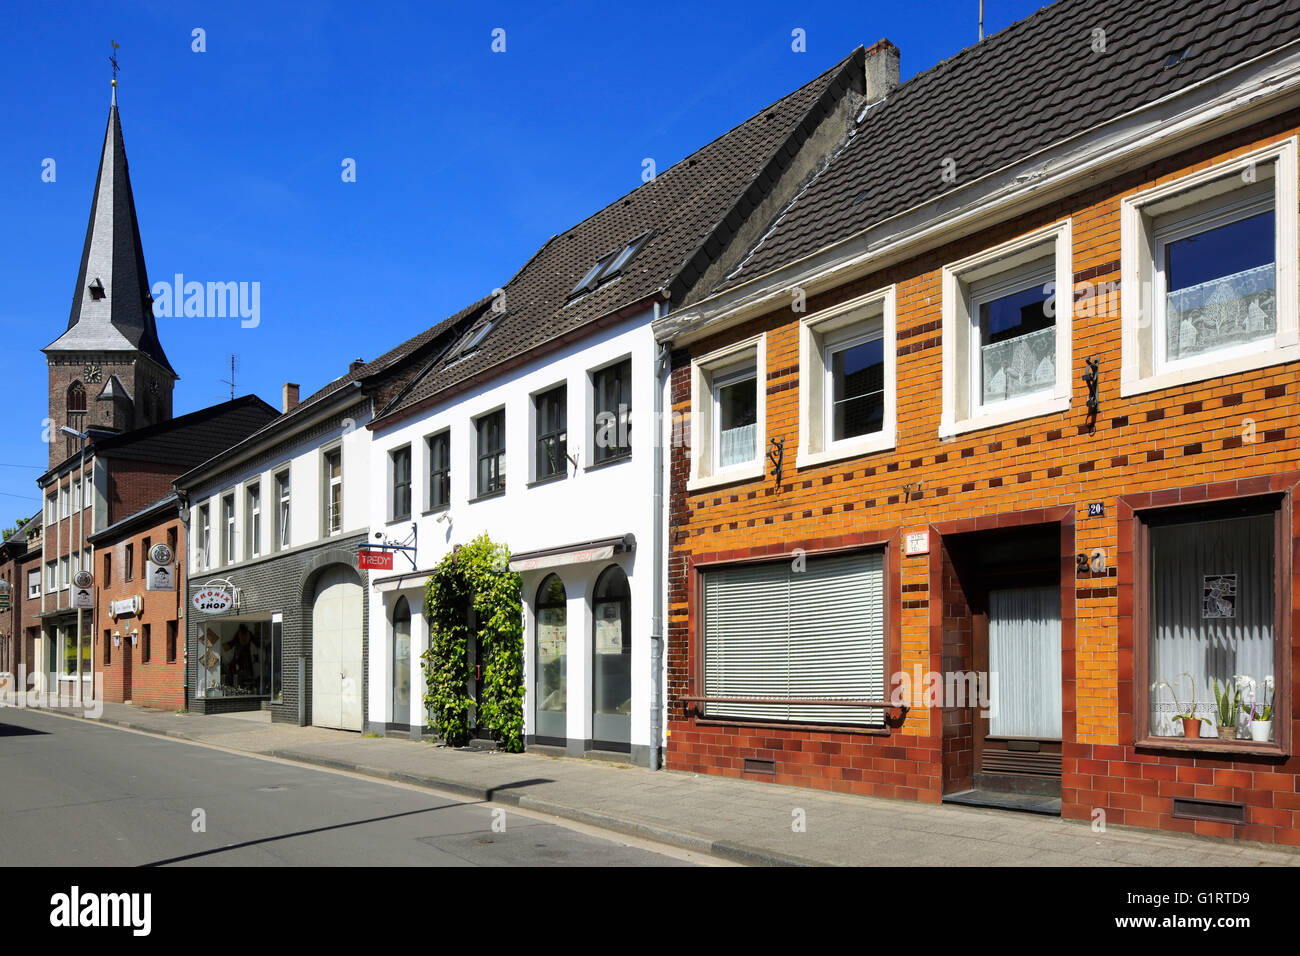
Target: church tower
(108,371)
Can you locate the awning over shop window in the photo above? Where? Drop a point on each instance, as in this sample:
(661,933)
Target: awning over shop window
(599,550)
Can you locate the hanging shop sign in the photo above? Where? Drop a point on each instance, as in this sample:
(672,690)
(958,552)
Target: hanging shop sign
(159,577)
(125,607)
(215,597)
(83,579)
(161,554)
(375,560)
(83,599)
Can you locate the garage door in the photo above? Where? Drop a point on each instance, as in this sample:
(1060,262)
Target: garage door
(336,650)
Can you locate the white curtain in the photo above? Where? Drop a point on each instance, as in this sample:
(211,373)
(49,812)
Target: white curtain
(1212,614)
(1025,662)
(1221,313)
(738,445)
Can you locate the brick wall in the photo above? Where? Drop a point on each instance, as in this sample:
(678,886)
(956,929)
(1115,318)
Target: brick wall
(1238,428)
(160,680)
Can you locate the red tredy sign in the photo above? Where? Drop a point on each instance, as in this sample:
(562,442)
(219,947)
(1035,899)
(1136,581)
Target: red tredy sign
(375,560)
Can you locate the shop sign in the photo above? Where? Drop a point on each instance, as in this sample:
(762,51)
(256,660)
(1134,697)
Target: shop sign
(6,596)
(83,579)
(161,554)
(125,607)
(83,599)
(159,577)
(214,599)
(375,560)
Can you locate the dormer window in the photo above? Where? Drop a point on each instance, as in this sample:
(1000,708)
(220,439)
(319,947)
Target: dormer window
(609,265)
(471,340)
(96,289)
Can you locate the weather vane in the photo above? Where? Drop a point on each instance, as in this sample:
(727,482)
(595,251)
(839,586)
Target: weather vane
(113,59)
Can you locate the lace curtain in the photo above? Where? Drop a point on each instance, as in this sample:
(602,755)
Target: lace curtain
(737,445)
(1223,312)
(1025,662)
(1015,367)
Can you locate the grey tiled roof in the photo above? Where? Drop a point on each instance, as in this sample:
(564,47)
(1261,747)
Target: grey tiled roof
(123,319)
(1025,88)
(692,210)
(191,439)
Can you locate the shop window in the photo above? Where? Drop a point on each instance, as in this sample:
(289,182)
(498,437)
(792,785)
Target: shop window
(1212,623)
(490,453)
(611,653)
(1209,281)
(550,425)
(277,634)
(846,380)
(772,633)
(552,658)
(401,696)
(237,659)
(728,414)
(1007,332)
(399,477)
(611,392)
(439,449)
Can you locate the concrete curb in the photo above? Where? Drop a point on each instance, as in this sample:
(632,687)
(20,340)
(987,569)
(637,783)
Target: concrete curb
(732,852)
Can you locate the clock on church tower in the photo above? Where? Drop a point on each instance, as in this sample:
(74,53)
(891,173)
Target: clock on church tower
(93,374)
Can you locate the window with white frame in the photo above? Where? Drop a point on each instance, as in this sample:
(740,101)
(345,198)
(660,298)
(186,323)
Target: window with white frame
(33,584)
(1208,267)
(51,509)
(332,478)
(847,379)
(65,576)
(63,501)
(399,483)
(253,518)
(282,502)
(727,414)
(76,495)
(228,529)
(1007,332)
(51,576)
(203,541)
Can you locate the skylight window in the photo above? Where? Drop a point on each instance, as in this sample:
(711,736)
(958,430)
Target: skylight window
(609,265)
(477,333)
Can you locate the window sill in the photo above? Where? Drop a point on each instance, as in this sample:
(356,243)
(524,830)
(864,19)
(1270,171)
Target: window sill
(1017,413)
(489,496)
(730,476)
(780,725)
(396,519)
(440,509)
(1212,745)
(1211,368)
(548,480)
(848,448)
(608,462)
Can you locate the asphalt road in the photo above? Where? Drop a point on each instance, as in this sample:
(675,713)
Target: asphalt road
(74,793)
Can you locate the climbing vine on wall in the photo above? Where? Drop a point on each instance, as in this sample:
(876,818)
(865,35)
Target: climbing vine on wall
(472,590)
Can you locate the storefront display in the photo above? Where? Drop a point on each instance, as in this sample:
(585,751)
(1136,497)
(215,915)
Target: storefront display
(238,659)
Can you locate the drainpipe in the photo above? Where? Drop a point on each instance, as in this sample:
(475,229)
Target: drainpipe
(657,623)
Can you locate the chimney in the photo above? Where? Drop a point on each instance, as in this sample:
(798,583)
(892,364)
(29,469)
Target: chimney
(289,401)
(356,364)
(882,70)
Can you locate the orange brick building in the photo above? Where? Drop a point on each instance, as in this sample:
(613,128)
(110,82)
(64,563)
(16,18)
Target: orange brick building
(897,465)
(140,649)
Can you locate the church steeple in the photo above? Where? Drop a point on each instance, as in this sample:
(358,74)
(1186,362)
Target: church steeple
(112,309)
(108,370)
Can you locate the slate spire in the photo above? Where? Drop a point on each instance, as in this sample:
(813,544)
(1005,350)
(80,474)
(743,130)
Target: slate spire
(112,309)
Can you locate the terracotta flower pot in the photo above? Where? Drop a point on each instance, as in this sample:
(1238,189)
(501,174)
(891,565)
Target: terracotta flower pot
(1191,727)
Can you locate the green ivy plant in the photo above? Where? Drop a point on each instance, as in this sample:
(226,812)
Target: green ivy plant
(473,585)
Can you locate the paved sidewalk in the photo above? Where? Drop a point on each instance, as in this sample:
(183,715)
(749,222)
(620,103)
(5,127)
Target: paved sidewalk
(739,820)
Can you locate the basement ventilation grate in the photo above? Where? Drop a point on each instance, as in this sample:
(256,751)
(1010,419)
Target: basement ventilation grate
(1215,811)
(760,766)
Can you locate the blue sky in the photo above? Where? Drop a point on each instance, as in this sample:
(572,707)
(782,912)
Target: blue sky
(466,160)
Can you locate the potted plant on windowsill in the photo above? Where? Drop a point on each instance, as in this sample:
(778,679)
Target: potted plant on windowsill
(1191,723)
(1227,704)
(1260,711)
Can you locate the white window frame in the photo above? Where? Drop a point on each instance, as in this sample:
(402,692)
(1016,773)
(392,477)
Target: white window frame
(283,527)
(1142,364)
(708,373)
(327,486)
(862,319)
(203,540)
(962,408)
(51,509)
(64,511)
(65,577)
(75,505)
(33,584)
(229,524)
(51,576)
(253,517)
